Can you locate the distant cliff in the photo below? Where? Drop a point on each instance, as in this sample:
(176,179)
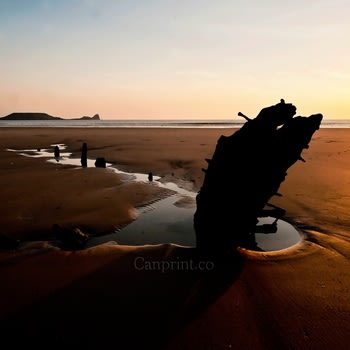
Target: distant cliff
(95,117)
(30,116)
(42,116)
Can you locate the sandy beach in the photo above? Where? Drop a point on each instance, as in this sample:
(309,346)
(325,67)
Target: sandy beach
(162,296)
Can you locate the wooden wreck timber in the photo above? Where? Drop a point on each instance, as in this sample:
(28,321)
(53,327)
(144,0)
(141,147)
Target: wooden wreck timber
(246,170)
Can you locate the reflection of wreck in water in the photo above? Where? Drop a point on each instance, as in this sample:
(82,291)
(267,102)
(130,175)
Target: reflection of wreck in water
(246,170)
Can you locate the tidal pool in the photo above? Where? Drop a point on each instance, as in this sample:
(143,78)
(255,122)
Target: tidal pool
(166,221)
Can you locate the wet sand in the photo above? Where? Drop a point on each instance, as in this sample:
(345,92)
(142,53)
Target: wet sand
(291,299)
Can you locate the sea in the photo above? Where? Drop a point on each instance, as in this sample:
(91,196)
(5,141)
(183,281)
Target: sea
(151,123)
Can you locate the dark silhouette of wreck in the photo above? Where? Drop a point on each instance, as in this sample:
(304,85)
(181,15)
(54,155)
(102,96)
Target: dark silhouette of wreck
(57,152)
(246,170)
(83,158)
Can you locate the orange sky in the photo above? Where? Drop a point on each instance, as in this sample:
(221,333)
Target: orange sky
(174,59)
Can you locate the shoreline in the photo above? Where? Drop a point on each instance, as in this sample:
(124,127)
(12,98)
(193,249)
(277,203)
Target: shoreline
(119,146)
(178,154)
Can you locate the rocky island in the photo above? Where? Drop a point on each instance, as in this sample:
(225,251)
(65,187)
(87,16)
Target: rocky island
(42,116)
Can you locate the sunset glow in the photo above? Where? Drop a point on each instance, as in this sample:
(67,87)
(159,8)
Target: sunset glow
(174,59)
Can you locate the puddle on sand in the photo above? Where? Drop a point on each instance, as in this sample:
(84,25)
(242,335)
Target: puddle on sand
(286,235)
(164,221)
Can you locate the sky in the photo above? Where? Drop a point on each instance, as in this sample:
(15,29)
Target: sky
(174,59)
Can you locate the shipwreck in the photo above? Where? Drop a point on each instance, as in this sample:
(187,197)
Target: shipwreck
(245,172)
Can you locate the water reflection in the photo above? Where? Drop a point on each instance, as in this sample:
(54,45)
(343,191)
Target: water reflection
(167,223)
